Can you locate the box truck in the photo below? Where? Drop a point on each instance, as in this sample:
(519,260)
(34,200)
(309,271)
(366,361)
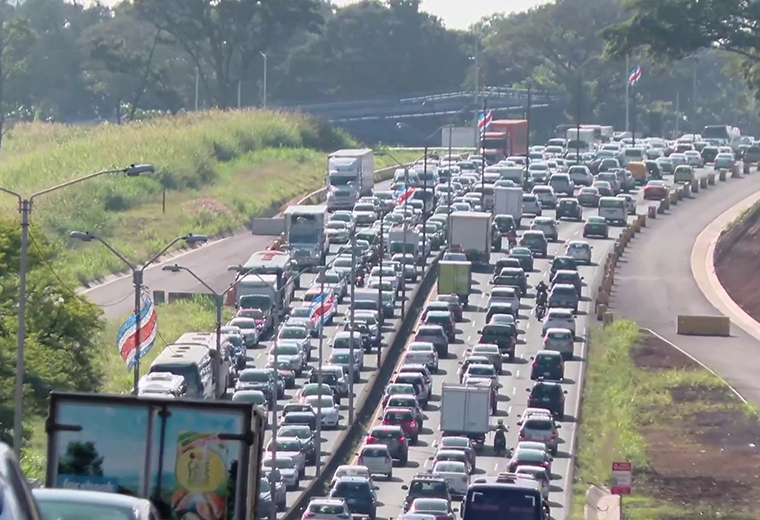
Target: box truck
(509,201)
(466,411)
(305,237)
(455,278)
(350,175)
(470,232)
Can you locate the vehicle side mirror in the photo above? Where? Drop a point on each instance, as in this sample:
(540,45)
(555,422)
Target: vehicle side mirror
(558,426)
(405,487)
(565,392)
(480,332)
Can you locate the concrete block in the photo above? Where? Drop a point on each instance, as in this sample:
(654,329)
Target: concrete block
(695,186)
(608,318)
(652,211)
(711,178)
(704,326)
(703,183)
(736,172)
(722,175)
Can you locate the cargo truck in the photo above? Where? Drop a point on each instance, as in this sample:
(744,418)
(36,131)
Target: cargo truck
(305,236)
(397,237)
(582,140)
(505,137)
(455,278)
(466,411)
(509,201)
(350,175)
(470,231)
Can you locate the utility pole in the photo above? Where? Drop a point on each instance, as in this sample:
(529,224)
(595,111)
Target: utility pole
(633,121)
(678,112)
(351,363)
(694,100)
(627,92)
(578,116)
(264,93)
(483,161)
(274,474)
(477,87)
(318,462)
(448,192)
(406,217)
(527,117)
(380,303)
(424,212)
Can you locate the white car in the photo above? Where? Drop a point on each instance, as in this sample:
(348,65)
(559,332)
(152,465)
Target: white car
(289,352)
(678,159)
(546,195)
(455,474)
(504,295)
(548,225)
(560,340)
(558,319)
(580,175)
(538,473)
(693,158)
(364,214)
(327,407)
(326,509)
(421,355)
(290,447)
(344,216)
(377,459)
(532,205)
(580,251)
(287,468)
(337,232)
(630,202)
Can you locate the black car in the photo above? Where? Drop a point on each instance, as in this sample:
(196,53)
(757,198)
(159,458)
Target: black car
(566,263)
(501,335)
(549,395)
(499,308)
(653,170)
(308,418)
(566,276)
(547,364)
(525,256)
(569,208)
(426,486)
(564,296)
(364,332)
(510,261)
(513,277)
(359,494)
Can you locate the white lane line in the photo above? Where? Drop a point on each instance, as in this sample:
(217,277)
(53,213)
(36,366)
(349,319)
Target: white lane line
(527,327)
(509,411)
(514,390)
(496,466)
(517,374)
(258,355)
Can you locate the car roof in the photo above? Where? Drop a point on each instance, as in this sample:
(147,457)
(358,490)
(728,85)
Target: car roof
(92,497)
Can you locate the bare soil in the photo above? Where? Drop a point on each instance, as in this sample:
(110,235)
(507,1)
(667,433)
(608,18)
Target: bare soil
(708,456)
(737,254)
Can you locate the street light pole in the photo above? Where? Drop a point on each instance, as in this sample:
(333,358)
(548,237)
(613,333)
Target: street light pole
(528,114)
(406,216)
(578,117)
(137,279)
(264,93)
(318,462)
(25,206)
(380,304)
(448,190)
(351,327)
(424,211)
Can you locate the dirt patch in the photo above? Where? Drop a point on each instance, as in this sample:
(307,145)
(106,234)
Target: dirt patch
(652,353)
(700,394)
(737,253)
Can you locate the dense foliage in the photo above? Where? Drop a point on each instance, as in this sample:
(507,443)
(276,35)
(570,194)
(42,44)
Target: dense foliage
(74,61)
(61,330)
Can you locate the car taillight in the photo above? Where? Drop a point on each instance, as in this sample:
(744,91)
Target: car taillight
(412,424)
(309,514)
(522,434)
(371,439)
(562,399)
(535,364)
(554,435)
(360,460)
(385,422)
(401,439)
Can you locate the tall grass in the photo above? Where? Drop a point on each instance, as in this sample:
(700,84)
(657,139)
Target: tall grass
(196,157)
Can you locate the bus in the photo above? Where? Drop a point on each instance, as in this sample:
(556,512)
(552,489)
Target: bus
(725,135)
(194,363)
(278,263)
(505,497)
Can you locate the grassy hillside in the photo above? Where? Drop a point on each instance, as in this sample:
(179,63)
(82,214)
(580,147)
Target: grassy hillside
(218,168)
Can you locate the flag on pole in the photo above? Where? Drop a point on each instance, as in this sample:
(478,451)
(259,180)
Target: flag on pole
(316,308)
(635,75)
(403,193)
(127,336)
(484,121)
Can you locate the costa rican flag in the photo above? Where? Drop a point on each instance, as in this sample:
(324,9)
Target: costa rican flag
(127,336)
(484,121)
(635,75)
(330,307)
(404,193)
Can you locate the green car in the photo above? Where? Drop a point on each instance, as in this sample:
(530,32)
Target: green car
(596,227)
(569,208)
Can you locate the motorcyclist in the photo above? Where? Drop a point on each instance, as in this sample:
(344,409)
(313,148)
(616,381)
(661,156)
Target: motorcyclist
(541,288)
(500,436)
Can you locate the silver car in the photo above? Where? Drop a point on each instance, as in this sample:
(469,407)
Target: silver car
(540,428)
(248,329)
(287,468)
(298,335)
(377,459)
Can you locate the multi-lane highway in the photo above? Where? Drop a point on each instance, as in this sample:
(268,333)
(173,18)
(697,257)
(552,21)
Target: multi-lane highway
(516,379)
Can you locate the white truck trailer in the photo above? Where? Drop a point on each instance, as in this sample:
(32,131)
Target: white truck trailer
(350,175)
(471,231)
(305,236)
(466,411)
(509,201)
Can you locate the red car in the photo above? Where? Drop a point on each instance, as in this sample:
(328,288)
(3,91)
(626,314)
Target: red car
(655,190)
(455,306)
(403,417)
(262,318)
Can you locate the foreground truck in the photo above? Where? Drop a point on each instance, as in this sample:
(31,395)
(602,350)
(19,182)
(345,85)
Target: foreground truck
(350,175)
(191,459)
(466,411)
(471,233)
(305,236)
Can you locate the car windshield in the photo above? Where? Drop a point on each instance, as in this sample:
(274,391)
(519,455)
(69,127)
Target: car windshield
(351,489)
(480,370)
(324,402)
(455,442)
(243,323)
(398,416)
(252,313)
(429,488)
(539,424)
(430,505)
(65,509)
(451,467)
(302,432)
(544,390)
(285,445)
(251,376)
(385,434)
(288,350)
(282,463)
(334,224)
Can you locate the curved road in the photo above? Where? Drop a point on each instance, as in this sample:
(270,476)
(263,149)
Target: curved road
(655,284)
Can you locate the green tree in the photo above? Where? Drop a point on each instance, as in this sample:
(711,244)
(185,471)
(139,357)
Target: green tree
(224,37)
(81,458)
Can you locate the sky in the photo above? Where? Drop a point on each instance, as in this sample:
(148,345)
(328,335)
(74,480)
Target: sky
(460,14)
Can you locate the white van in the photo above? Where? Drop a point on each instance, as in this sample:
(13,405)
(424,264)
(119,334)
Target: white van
(162,384)
(613,209)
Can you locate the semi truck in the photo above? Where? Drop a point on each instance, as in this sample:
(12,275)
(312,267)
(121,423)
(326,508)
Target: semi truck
(509,201)
(470,231)
(305,236)
(505,137)
(466,411)
(350,175)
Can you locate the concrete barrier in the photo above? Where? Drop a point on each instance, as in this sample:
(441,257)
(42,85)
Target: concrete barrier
(642,221)
(745,167)
(704,326)
(601,308)
(652,211)
(695,186)
(608,318)
(736,173)
(722,175)
(711,178)
(600,505)
(703,183)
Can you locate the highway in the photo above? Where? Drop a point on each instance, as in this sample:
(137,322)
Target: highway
(516,380)
(658,272)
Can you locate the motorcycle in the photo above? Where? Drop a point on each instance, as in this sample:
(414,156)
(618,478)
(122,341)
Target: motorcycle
(540,311)
(499,442)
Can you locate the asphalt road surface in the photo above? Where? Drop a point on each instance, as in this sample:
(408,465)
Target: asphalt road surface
(516,380)
(655,285)
(209,262)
